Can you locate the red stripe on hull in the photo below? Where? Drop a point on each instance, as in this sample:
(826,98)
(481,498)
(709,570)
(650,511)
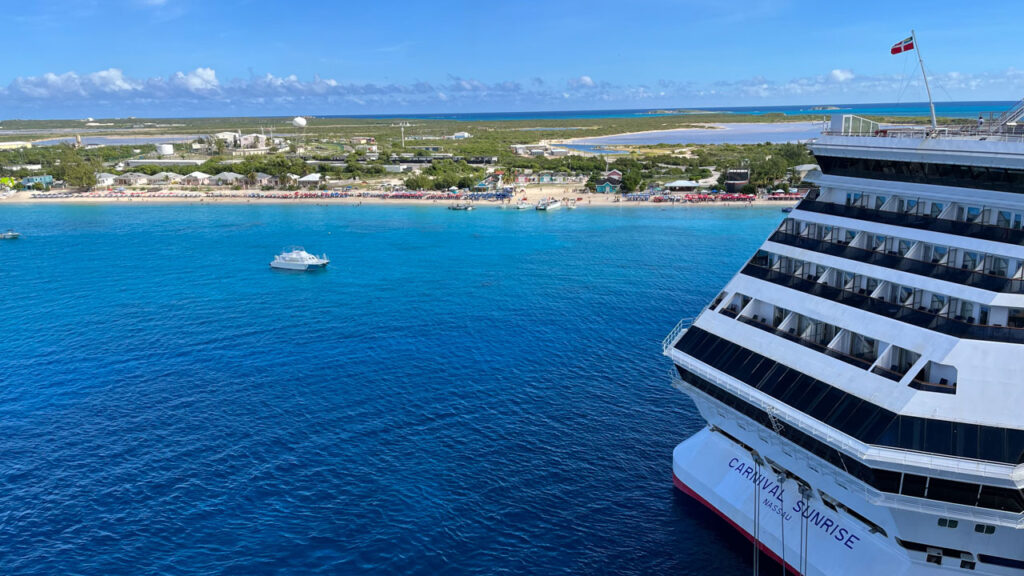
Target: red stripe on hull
(686,490)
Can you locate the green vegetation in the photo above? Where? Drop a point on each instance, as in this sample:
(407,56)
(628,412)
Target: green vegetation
(445,174)
(327,140)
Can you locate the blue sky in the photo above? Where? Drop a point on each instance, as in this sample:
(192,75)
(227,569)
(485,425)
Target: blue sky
(261,57)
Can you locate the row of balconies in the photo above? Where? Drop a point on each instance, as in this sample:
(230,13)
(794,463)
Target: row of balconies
(967,267)
(881,358)
(926,309)
(980,222)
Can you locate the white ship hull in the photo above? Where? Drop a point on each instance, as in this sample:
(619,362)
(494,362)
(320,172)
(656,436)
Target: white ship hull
(720,475)
(299,266)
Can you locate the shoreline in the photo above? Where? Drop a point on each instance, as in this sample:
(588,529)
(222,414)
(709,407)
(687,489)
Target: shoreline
(715,126)
(594,201)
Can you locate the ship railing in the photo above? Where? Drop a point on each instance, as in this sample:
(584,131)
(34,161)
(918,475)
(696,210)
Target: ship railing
(908,459)
(986,132)
(670,340)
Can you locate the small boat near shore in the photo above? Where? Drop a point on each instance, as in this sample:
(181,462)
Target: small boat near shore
(787,209)
(549,204)
(299,259)
(461,206)
(10,235)
(524,205)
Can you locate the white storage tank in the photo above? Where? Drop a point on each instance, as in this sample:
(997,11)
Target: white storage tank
(165,149)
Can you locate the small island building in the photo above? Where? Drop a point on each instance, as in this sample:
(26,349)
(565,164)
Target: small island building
(227,179)
(166,178)
(682,186)
(132,179)
(310,180)
(105,179)
(735,180)
(607,186)
(46,181)
(196,179)
(264,179)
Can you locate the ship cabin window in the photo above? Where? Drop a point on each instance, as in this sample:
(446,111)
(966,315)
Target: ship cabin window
(879,201)
(966,311)
(984,529)
(973,213)
(999,266)
(896,362)
(937,208)
(1016,221)
(909,206)
(1003,218)
(736,305)
(970,261)
(1015,318)
(863,347)
(939,254)
(778,315)
(906,295)
(721,296)
(935,377)
(948,522)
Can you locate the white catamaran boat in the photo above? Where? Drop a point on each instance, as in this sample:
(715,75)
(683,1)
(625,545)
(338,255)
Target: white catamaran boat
(860,375)
(299,259)
(549,204)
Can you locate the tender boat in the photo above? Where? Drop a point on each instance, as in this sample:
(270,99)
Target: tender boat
(299,259)
(525,206)
(9,235)
(787,209)
(549,204)
(461,206)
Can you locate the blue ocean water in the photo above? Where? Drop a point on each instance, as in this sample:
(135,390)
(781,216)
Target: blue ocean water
(459,393)
(945,109)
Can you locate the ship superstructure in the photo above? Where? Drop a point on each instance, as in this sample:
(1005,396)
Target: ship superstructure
(862,376)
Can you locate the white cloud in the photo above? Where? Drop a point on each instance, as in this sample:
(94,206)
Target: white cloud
(582,82)
(841,75)
(112,80)
(201,91)
(198,80)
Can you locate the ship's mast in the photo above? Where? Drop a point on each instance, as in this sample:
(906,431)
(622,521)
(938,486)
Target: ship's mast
(917,48)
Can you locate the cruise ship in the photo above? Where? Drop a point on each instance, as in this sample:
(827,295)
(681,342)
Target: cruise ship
(862,376)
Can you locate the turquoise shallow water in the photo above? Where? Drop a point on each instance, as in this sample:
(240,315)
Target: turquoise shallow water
(459,393)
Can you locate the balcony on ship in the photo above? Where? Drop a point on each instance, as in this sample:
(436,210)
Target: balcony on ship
(935,377)
(997,224)
(970,268)
(842,344)
(925,309)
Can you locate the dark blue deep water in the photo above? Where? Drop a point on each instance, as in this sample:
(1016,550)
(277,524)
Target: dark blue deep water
(460,393)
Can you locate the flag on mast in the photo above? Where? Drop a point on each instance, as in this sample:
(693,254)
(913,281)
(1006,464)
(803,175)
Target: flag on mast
(902,46)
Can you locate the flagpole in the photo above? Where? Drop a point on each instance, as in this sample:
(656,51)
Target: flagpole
(931,104)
